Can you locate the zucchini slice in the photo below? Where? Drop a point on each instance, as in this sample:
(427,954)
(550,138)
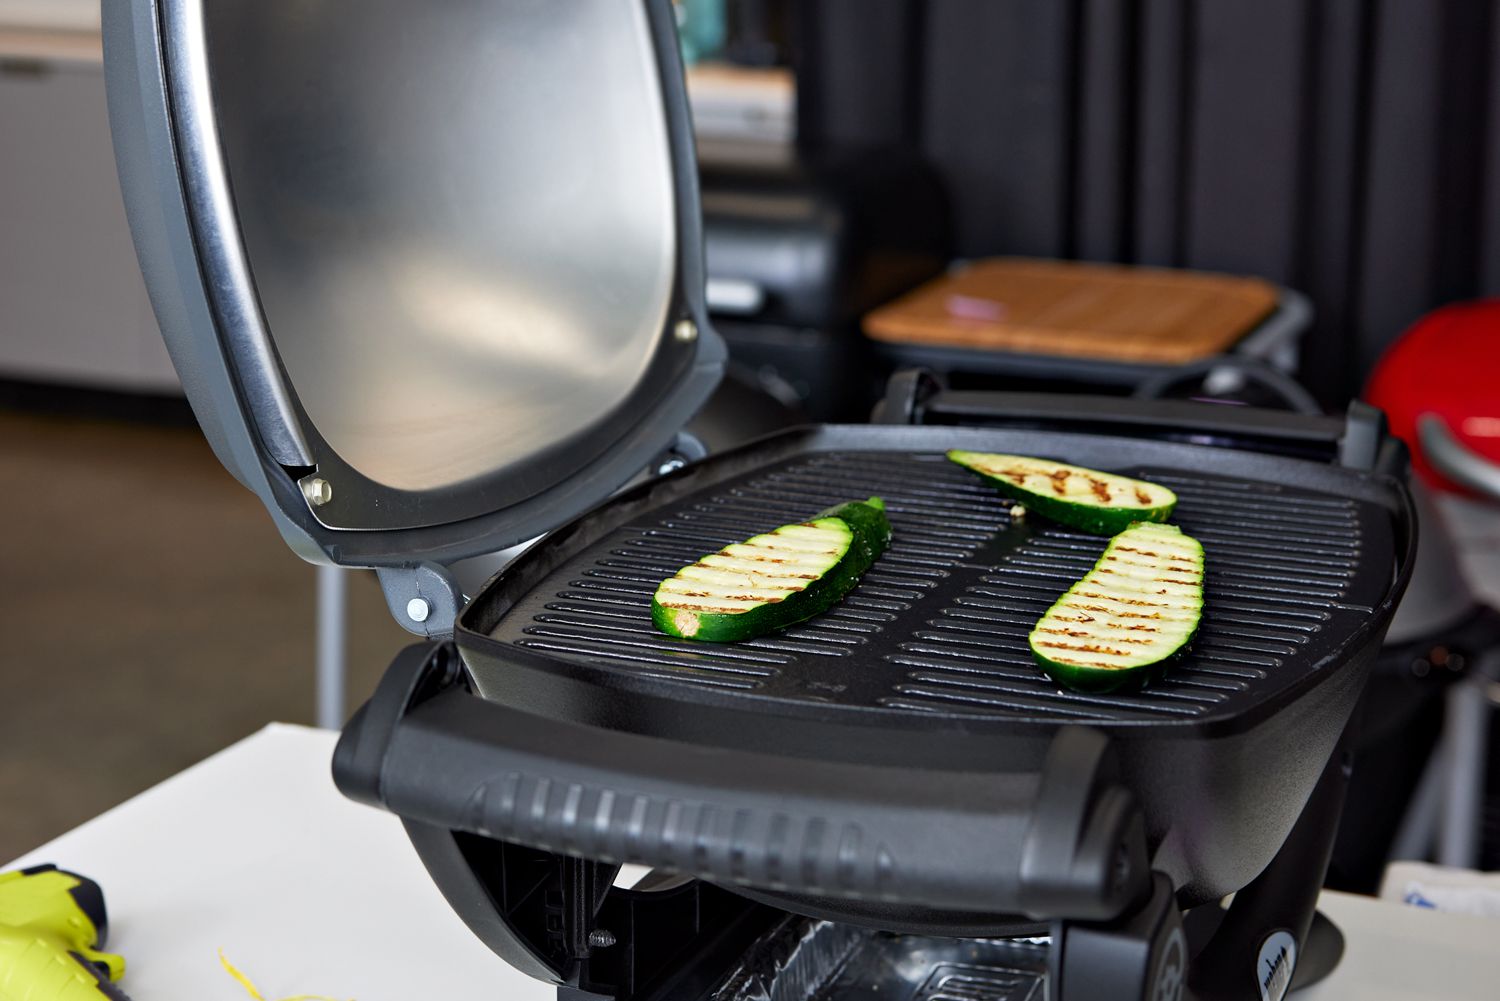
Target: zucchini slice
(1101,503)
(1138,608)
(773,580)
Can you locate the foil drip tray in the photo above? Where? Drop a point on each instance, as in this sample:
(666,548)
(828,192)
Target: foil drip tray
(806,960)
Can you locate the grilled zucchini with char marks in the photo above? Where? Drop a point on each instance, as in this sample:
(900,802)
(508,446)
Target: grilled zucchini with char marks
(1133,612)
(773,580)
(1101,503)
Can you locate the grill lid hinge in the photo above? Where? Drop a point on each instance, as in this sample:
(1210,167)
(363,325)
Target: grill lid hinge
(423,598)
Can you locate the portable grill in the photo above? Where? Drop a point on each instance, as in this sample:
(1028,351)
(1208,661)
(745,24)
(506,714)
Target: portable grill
(432,280)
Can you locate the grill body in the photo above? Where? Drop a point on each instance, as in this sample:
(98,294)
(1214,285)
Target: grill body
(925,664)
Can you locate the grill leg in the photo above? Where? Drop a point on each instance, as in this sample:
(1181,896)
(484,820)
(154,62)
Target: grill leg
(1140,956)
(1419,826)
(333,635)
(1465,746)
(1266,932)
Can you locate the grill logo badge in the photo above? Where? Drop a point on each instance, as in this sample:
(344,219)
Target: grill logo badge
(1273,971)
(1170,974)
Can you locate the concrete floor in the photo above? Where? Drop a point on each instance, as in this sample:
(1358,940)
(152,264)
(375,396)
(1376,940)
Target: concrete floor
(151,615)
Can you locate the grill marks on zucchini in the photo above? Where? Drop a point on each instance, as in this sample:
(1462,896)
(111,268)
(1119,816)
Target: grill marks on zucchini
(763,570)
(1136,609)
(1087,499)
(773,580)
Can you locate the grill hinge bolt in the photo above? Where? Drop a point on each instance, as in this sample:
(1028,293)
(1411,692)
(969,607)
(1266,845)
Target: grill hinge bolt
(417,609)
(685,331)
(600,938)
(317,490)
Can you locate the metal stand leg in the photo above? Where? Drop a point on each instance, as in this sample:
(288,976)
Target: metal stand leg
(1418,831)
(1465,740)
(333,608)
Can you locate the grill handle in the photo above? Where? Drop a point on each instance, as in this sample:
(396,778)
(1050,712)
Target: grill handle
(917,396)
(1064,840)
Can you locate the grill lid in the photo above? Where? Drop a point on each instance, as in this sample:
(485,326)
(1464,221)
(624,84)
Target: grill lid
(431,277)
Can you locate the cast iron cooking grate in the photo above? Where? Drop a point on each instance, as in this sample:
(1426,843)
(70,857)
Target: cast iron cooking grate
(939,624)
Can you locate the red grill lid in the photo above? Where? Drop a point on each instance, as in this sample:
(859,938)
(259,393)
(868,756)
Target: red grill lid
(1448,365)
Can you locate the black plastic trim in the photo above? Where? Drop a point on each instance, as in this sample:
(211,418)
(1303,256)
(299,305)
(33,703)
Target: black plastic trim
(1066,840)
(359,756)
(1069,411)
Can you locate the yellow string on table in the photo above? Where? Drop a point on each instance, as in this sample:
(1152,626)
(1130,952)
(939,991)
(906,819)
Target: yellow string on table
(254,991)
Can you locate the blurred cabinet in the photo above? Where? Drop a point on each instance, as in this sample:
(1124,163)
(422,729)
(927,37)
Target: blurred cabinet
(73,307)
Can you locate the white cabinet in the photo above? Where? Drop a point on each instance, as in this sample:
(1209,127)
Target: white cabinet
(73,307)
(51,15)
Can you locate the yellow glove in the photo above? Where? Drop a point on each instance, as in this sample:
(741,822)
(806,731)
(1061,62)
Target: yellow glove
(51,923)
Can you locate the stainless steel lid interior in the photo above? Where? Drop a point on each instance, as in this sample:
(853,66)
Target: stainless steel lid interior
(428,264)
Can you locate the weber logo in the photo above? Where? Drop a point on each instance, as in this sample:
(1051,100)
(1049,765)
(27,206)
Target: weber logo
(1273,971)
(1171,974)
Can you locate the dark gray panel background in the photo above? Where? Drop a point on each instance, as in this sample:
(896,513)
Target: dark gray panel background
(1344,147)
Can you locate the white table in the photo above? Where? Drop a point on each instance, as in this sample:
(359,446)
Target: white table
(254,852)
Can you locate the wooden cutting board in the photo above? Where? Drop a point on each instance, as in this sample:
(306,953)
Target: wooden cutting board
(1077,310)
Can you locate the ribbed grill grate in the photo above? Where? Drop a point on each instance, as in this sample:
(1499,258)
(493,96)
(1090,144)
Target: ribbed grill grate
(939,624)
